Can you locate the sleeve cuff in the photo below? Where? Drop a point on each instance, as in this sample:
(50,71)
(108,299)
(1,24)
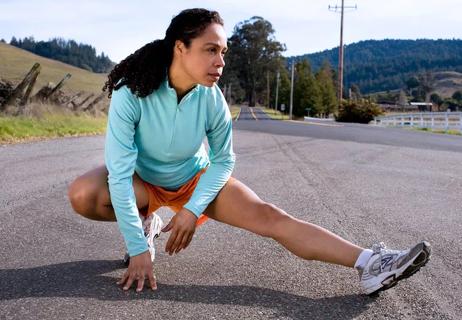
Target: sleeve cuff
(197,211)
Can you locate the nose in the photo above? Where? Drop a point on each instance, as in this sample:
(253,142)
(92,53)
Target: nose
(220,61)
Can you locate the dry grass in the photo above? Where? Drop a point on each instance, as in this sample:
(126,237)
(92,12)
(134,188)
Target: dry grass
(278,115)
(441,131)
(235,110)
(15,63)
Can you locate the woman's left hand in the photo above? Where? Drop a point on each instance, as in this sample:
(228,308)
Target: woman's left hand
(183,226)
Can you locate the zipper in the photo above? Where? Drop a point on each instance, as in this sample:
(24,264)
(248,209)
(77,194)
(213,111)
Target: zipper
(174,128)
(177,109)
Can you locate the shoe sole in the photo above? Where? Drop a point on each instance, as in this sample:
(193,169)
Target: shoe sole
(415,265)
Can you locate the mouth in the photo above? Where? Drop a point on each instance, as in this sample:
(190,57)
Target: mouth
(216,76)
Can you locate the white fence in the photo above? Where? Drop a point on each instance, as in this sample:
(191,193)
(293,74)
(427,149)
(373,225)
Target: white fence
(431,120)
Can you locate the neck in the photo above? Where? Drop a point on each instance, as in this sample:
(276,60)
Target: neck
(179,81)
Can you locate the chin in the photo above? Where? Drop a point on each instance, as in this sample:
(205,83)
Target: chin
(208,83)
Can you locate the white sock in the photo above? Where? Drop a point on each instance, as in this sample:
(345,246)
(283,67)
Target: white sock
(363,258)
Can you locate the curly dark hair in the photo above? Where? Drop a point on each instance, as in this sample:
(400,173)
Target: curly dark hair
(144,70)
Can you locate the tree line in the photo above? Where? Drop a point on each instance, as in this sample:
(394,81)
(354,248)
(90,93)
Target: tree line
(255,67)
(381,65)
(68,51)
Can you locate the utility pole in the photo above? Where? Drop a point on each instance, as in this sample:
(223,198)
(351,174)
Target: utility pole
(292,90)
(340,48)
(267,90)
(277,91)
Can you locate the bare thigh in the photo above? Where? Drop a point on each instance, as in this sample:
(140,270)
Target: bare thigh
(237,205)
(89,194)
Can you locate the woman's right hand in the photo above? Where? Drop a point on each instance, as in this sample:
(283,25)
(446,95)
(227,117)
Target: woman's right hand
(139,269)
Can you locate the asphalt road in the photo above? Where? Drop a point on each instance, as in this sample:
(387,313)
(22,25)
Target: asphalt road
(366,184)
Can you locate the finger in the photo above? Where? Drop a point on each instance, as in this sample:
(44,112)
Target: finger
(152,280)
(189,240)
(129,282)
(168,227)
(182,243)
(177,242)
(140,284)
(123,279)
(170,240)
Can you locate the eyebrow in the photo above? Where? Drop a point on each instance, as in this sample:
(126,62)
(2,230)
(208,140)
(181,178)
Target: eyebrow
(215,45)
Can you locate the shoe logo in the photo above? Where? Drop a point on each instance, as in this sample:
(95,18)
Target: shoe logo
(387,261)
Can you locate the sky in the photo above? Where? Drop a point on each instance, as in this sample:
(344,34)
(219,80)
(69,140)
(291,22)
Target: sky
(118,28)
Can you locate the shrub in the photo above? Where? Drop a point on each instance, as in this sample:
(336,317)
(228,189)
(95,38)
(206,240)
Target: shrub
(360,111)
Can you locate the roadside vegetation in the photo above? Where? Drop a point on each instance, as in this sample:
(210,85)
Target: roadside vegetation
(14,129)
(235,110)
(453,132)
(275,114)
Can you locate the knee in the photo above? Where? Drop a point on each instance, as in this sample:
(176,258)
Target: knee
(273,220)
(81,197)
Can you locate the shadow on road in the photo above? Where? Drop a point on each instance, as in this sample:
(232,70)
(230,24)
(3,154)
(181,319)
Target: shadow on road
(86,279)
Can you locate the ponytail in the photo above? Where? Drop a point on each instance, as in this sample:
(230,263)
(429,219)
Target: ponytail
(143,71)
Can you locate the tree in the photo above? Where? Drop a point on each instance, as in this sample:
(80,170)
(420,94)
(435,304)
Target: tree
(14,42)
(457,95)
(284,88)
(307,94)
(402,99)
(324,77)
(412,83)
(253,51)
(355,92)
(426,84)
(436,99)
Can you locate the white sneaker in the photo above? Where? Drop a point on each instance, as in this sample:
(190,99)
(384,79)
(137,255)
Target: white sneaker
(152,226)
(386,267)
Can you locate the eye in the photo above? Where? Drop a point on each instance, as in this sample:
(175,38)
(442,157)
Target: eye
(212,50)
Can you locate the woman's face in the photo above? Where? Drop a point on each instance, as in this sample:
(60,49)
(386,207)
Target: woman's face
(203,61)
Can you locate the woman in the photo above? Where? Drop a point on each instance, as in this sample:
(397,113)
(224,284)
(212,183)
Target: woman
(164,102)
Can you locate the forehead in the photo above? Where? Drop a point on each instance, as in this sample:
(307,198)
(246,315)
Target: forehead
(214,33)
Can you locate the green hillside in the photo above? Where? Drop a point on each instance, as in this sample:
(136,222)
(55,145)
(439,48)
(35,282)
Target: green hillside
(381,65)
(15,63)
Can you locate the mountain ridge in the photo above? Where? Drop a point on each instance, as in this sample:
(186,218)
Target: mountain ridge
(381,65)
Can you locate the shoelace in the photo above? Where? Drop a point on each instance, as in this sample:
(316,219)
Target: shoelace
(377,249)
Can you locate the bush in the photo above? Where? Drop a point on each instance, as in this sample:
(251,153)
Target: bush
(360,111)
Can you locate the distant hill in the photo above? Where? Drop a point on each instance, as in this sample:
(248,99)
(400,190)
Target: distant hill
(446,83)
(381,65)
(68,51)
(15,63)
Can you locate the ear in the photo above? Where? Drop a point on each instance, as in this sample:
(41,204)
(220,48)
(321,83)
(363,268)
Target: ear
(179,47)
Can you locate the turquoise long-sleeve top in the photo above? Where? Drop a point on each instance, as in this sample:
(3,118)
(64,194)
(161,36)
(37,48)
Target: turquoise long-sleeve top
(162,141)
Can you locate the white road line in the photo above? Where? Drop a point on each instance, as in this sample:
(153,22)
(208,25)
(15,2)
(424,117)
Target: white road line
(253,114)
(237,118)
(316,123)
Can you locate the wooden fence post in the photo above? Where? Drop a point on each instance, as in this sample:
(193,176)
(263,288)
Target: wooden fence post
(18,91)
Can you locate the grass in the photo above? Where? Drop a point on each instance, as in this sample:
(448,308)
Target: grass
(18,129)
(43,125)
(17,62)
(452,132)
(275,114)
(235,110)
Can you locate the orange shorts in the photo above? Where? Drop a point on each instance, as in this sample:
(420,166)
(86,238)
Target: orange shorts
(175,200)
